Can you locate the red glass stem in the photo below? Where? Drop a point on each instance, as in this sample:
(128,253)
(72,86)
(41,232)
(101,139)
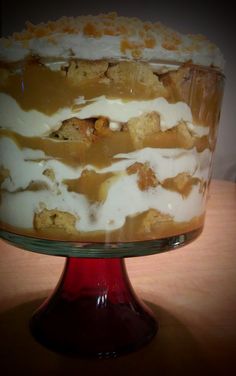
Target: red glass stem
(93,311)
(105,279)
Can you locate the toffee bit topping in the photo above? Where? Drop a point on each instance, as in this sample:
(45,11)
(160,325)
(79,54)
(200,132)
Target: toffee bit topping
(131,38)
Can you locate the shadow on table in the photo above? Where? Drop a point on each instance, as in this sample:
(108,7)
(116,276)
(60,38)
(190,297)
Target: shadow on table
(173,351)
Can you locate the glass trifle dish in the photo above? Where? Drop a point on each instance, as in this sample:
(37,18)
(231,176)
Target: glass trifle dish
(107,131)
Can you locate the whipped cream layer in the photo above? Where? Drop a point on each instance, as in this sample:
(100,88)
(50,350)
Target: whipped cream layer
(124,197)
(110,37)
(34,123)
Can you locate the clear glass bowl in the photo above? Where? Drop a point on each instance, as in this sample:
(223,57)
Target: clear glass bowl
(123,185)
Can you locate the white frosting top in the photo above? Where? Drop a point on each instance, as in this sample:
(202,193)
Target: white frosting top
(109,36)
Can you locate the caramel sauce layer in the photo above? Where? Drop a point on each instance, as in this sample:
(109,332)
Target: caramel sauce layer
(74,153)
(93,185)
(172,139)
(39,88)
(182,185)
(132,230)
(89,184)
(101,152)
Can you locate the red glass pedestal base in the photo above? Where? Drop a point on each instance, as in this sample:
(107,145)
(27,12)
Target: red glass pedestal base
(93,311)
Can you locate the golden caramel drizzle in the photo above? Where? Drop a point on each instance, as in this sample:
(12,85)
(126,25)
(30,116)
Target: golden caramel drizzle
(88,184)
(93,185)
(182,183)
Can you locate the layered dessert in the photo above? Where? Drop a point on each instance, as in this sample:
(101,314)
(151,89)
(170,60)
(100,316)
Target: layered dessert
(107,129)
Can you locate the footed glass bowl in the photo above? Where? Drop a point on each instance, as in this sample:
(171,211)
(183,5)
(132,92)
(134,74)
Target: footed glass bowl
(101,169)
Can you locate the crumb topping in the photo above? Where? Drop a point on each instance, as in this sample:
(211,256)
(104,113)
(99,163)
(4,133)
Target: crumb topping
(111,25)
(135,38)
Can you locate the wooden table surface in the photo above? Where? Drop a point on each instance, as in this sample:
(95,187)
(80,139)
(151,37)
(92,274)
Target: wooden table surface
(192,291)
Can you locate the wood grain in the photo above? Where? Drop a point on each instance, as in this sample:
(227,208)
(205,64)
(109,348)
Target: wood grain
(192,291)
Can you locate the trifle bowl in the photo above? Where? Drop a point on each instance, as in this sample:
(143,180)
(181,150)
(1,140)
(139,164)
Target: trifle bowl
(107,132)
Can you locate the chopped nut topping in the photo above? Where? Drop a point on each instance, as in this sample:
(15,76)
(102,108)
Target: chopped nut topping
(146,177)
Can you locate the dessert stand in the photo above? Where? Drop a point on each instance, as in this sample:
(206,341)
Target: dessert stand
(94,310)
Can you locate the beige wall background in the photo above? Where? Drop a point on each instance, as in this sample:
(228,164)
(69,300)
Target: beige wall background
(207,18)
